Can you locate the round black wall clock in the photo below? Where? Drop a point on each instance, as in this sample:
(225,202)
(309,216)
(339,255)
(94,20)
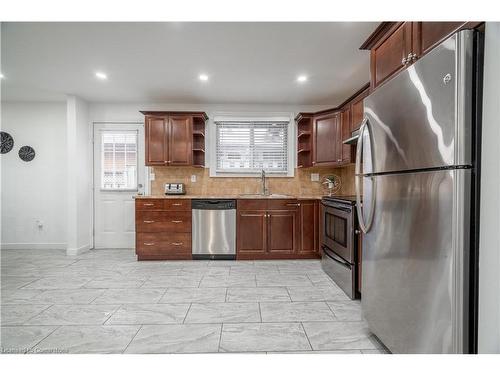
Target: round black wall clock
(26,153)
(7,142)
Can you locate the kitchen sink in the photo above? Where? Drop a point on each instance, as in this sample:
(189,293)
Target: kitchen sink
(265,196)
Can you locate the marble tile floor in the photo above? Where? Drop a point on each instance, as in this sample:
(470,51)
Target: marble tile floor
(104,301)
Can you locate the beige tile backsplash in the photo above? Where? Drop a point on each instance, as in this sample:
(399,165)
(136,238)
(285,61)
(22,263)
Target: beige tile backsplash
(300,185)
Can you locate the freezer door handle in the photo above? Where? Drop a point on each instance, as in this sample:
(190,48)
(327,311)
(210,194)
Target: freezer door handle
(365,226)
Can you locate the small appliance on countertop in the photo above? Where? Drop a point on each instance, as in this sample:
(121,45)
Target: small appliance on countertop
(177,188)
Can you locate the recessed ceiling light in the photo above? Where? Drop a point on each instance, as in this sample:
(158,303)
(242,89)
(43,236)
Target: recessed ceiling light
(101,75)
(203,77)
(302,78)
(2,76)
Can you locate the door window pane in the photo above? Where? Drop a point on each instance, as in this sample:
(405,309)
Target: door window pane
(119,160)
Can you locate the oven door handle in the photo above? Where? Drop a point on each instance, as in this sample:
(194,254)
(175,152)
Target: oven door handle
(335,257)
(338,208)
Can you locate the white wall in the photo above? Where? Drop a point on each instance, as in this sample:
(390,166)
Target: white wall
(34,190)
(79,177)
(489,241)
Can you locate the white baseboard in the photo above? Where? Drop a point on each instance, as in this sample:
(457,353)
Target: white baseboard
(33,246)
(78,251)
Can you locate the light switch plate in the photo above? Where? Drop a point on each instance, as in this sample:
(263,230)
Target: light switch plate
(193,178)
(151,176)
(315,177)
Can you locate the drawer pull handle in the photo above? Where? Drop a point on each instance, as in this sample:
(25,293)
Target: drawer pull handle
(149,221)
(176,204)
(149,243)
(293,204)
(148,204)
(177,221)
(177,243)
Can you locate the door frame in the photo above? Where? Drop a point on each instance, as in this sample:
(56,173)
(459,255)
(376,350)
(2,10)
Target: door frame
(147,180)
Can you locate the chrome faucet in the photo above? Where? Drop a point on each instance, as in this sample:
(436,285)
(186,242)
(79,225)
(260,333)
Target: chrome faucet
(263,178)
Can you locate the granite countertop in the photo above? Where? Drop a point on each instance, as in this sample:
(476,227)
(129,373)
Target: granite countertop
(188,196)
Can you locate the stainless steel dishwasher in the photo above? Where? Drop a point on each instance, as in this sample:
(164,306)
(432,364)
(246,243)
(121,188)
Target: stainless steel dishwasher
(214,228)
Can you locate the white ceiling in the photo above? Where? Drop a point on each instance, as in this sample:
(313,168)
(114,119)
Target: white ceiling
(160,62)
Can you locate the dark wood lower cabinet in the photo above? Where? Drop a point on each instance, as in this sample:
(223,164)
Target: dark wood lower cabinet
(163,229)
(265,229)
(283,230)
(251,234)
(309,228)
(277,229)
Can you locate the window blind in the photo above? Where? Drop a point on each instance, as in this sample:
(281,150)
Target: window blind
(119,160)
(250,146)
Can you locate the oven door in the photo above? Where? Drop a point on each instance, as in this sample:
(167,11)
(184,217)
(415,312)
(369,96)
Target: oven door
(337,231)
(341,272)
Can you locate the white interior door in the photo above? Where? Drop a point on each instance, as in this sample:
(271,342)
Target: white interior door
(118,176)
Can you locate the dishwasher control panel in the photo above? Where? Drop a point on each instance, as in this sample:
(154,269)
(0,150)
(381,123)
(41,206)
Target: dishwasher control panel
(213,204)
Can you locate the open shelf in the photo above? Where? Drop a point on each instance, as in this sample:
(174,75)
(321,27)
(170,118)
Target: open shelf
(199,142)
(303,133)
(304,140)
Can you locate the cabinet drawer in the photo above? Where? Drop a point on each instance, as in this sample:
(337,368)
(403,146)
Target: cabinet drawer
(148,204)
(252,204)
(168,242)
(283,204)
(163,221)
(177,204)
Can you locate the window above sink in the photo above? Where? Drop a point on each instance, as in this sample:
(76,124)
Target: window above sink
(244,146)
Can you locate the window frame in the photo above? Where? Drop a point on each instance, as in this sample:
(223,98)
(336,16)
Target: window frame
(280,117)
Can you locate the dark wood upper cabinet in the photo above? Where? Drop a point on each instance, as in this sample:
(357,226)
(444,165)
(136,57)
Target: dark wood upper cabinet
(156,140)
(357,109)
(388,56)
(427,35)
(347,150)
(180,140)
(175,138)
(395,45)
(283,230)
(326,132)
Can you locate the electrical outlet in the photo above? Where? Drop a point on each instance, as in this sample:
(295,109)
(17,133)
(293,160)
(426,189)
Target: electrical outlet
(315,177)
(151,176)
(193,178)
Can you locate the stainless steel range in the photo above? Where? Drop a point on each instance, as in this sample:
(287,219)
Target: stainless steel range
(339,242)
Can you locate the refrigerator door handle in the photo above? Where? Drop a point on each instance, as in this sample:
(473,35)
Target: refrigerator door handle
(364,226)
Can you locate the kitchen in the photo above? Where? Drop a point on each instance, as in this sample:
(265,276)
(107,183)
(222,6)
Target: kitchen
(221,227)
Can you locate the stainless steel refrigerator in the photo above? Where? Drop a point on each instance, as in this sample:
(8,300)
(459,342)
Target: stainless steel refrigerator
(416,172)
